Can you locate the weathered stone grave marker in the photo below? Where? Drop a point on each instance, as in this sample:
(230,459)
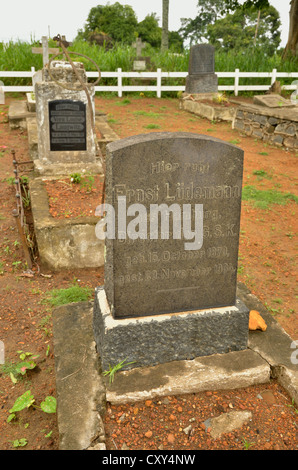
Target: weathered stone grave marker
(139,46)
(201,77)
(140,63)
(66,140)
(173,214)
(272,101)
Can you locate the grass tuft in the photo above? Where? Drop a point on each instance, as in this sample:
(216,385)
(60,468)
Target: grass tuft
(264,198)
(70,295)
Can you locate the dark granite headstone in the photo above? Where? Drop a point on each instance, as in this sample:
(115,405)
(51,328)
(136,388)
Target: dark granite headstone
(201,77)
(67,123)
(201,59)
(146,276)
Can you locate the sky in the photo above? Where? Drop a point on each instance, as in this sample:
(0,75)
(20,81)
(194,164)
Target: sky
(26,19)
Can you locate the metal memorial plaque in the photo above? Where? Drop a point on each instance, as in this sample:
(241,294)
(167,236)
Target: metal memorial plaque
(67,122)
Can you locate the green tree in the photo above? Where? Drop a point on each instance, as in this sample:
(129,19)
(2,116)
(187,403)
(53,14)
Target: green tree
(195,29)
(247,28)
(149,30)
(292,44)
(116,20)
(175,42)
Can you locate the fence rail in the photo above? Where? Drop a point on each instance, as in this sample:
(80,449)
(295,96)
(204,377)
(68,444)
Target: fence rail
(159,77)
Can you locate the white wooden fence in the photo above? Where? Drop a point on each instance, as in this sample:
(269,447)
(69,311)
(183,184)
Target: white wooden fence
(160,78)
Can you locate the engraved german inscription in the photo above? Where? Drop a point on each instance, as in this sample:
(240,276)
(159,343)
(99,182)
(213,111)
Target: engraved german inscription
(176,201)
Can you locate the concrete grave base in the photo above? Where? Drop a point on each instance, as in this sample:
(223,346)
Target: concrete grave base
(151,340)
(63,243)
(80,381)
(17,115)
(201,83)
(213,113)
(55,169)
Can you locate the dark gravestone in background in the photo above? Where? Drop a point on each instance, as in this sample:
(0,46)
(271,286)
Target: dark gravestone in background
(148,277)
(201,59)
(201,77)
(67,122)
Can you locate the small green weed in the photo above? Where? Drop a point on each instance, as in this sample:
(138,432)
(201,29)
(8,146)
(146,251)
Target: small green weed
(49,405)
(247,444)
(152,126)
(19,442)
(19,369)
(240,269)
(70,295)
(43,325)
(293,406)
(112,370)
(10,180)
(75,178)
(124,102)
(262,174)
(16,264)
(146,113)
(88,183)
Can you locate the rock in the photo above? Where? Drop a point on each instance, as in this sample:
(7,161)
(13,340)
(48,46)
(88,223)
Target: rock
(268,397)
(187,430)
(228,422)
(171,438)
(275,88)
(98,446)
(148,434)
(256,322)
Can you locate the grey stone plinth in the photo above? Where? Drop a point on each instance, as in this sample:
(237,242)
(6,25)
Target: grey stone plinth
(158,339)
(201,83)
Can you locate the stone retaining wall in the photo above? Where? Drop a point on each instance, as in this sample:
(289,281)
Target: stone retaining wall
(278,127)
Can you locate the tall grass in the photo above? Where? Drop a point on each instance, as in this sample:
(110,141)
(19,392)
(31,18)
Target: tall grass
(18,56)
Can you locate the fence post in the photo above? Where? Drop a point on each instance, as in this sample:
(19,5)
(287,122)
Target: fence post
(158,83)
(2,93)
(119,82)
(236,83)
(33,72)
(273,76)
